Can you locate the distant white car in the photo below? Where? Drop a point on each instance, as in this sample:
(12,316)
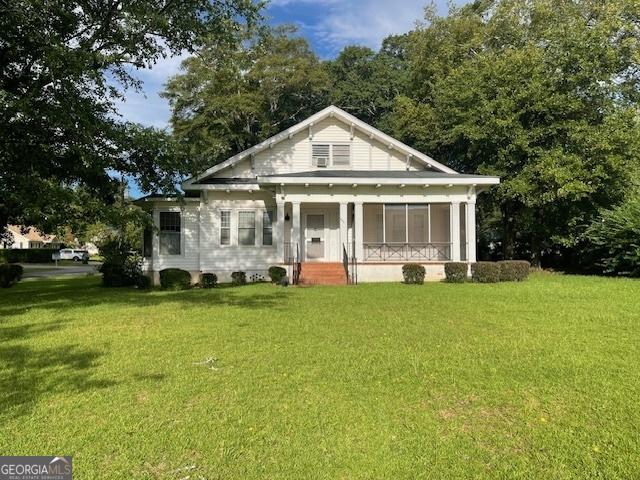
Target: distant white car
(72,254)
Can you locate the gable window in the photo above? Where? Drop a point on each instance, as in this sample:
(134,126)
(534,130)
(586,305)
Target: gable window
(267,227)
(341,155)
(320,155)
(225,227)
(169,233)
(246,228)
(334,155)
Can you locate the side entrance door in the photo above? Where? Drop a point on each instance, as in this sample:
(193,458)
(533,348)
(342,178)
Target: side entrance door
(314,237)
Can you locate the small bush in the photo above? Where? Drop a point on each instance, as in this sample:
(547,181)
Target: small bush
(485,272)
(208,280)
(413,273)
(175,279)
(514,270)
(10,274)
(143,282)
(113,275)
(455,272)
(277,274)
(239,278)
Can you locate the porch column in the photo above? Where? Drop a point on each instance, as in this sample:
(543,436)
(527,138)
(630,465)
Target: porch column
(358,230)
(344,224)
(471,231)
(455,231)
(296,237)
(279,231)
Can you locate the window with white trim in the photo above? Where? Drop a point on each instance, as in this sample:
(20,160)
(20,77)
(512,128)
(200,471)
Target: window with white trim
(169,233)
(341,155)
(246,227)
(321,155)
(267,227)
(225,227)
(325,154)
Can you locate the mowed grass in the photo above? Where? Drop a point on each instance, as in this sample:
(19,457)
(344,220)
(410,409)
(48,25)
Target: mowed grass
(533,380)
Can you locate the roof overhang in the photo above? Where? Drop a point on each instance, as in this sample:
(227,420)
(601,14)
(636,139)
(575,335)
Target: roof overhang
(169,199)
(445,181)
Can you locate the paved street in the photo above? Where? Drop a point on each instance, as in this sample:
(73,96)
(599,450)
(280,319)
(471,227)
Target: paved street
(43,270)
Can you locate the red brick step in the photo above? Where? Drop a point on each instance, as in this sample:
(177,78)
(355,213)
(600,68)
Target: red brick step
(323,274)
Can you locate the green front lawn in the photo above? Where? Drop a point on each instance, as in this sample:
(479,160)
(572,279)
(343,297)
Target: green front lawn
(532,380)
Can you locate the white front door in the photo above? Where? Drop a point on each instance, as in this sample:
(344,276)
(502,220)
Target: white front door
(314,235)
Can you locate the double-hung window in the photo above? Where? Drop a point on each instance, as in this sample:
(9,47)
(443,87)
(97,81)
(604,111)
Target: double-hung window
(321,155)
(225,227)
(331,155)
(267,227)
(246,227)
(341,155)
(169,233)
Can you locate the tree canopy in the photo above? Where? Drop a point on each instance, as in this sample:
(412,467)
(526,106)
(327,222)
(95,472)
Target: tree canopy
(62,65)
(232,96)
(543,94)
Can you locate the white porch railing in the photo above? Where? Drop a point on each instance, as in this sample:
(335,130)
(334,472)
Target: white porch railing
(411,252)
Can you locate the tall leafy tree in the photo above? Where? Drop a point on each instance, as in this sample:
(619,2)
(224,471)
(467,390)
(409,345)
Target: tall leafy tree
(543,94)
(230,97)
(366,83)
(62,66)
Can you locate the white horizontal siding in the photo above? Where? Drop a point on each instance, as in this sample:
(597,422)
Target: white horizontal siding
(188,257)
(294,154)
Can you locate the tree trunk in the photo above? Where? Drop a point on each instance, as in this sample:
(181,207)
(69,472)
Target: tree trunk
(536,251)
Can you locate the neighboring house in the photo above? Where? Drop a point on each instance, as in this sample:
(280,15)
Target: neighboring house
(29,238)
(328,189)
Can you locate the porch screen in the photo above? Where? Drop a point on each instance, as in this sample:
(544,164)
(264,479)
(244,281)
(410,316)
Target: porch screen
(418,219)
(395,218)
(373,223)
(440,223)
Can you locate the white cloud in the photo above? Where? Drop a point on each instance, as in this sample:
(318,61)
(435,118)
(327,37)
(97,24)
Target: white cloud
(367,22)
(344,22)
(147,107)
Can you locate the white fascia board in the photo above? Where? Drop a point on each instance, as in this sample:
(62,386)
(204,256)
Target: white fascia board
(233,187)
(321,115)
(471,181)
(166,199)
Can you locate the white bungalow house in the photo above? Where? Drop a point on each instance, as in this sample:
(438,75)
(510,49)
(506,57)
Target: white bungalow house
(331,198)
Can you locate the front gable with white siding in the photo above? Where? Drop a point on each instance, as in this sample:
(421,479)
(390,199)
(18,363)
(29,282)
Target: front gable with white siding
(329,190)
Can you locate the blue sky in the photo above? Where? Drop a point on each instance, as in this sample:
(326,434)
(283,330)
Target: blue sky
(328,24)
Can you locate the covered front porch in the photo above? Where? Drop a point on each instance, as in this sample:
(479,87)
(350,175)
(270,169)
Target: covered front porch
(377,220)
(376,232)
